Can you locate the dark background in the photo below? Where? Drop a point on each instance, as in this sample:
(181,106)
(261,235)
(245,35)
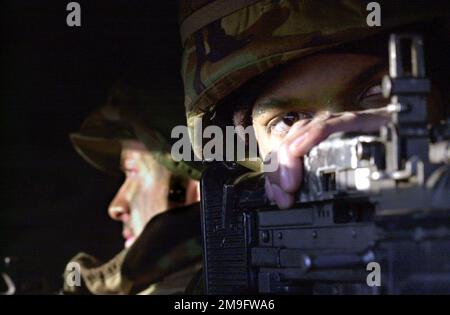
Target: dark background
(53,204)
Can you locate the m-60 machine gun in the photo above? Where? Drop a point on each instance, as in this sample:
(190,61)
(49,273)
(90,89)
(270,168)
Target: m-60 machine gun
(372,216)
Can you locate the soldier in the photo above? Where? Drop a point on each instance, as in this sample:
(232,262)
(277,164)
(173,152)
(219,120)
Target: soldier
(162,252)
(298,71)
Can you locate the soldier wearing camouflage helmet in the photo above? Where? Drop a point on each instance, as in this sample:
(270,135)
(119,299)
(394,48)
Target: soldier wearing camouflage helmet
(131,134)
(297,71)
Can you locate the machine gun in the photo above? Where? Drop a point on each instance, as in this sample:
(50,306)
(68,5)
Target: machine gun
(372,216)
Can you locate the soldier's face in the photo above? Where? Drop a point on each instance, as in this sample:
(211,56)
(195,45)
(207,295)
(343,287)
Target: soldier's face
(332,82)
(143,194)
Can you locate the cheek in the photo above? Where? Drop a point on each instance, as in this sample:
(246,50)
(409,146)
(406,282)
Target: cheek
(148,202)
(262,140)
(153,196)
(266,142)
(137,222)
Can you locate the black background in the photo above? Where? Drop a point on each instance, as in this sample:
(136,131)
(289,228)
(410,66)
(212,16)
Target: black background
(53,204)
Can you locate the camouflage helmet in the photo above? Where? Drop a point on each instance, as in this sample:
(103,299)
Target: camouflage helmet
(132,114)
(227,43)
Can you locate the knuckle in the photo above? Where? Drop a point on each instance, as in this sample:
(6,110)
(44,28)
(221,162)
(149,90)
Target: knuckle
(298,126)
(321,128)
(350,115)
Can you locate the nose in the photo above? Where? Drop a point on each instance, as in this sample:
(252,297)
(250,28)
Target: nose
(119,208)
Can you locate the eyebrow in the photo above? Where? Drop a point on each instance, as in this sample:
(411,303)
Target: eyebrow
(123,162)
(268,104)
(277,103)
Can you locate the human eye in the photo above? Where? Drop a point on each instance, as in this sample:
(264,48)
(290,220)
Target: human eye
(372,97)
(281,124)
(129,166)
(129,171)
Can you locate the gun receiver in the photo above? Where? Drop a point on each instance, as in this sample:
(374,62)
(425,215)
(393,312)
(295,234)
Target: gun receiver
(365,198)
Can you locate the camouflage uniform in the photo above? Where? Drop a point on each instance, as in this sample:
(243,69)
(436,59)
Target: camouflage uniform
(149,266)
(132,114)
(227,45)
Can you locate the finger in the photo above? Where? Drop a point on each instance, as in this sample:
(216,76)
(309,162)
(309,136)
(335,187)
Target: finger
(346,122)
(299,131)
(304,143)
(283,199)
(274,175)
(268,189)
(298,126)
(372,120)
(302,126)
(290,170)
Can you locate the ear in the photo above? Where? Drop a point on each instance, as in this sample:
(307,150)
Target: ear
(192,191)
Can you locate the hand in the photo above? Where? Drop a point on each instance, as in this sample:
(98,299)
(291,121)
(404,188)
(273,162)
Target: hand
(282,184)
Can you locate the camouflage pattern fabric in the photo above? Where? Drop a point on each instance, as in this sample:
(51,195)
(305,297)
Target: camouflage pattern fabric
(225,53)
(163,260)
